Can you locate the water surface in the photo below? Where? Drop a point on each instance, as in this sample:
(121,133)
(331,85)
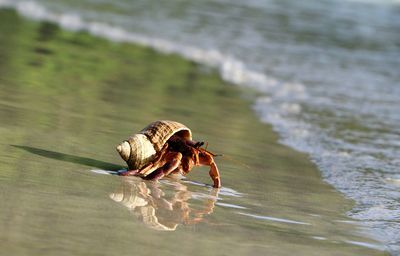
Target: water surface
(66,100)
(327,73)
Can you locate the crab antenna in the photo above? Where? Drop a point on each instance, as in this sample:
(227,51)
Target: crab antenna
(213,154)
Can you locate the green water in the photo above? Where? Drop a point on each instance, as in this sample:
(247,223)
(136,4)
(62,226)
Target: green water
(66,100)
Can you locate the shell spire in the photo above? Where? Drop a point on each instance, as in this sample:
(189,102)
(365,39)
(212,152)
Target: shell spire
(124,149)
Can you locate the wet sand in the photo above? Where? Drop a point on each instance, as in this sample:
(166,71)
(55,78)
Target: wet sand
(66,100)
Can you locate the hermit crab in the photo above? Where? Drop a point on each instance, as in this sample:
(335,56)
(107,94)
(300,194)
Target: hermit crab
(165,147)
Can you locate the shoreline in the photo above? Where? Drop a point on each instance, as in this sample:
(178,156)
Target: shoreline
(46,63)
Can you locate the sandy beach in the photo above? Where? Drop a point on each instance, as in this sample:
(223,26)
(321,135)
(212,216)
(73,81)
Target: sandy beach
(67,98)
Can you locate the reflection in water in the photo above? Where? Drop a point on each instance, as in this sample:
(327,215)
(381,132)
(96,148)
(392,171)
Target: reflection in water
(160,210)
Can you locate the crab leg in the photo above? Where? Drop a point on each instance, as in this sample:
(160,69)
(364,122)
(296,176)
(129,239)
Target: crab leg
(155,164)
(206,158)
(214,174)
(168,164)
(128,173)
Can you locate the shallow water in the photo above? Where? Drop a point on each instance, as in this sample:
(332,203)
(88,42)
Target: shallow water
(66,100)
(326,72)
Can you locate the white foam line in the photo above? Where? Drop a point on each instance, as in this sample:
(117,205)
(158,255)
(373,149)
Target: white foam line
(273,219)
(367,245)
(106,172)
(230,205)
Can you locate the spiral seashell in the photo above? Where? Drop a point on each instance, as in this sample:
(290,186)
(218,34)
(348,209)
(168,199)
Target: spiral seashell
(142,148)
